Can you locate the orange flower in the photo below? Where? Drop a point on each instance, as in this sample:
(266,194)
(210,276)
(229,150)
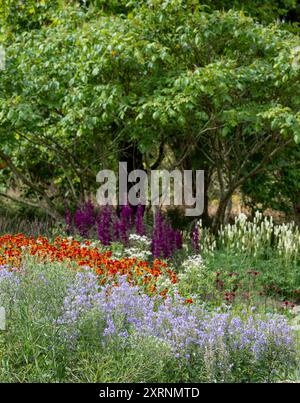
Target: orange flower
(13,248)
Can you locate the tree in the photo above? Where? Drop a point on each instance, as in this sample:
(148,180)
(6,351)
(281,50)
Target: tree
(264,11)
(235,97)
(212,89)
(278,187)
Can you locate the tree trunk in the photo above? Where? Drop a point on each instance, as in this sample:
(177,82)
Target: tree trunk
(134,158)
(206,219)
(228,211)
(296,206)
(219,217)
(131,154)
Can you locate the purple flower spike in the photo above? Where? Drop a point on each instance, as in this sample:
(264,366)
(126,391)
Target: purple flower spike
(139,225)
(104,226)
(85,218)
(195,239)
(126,222)
(165,240)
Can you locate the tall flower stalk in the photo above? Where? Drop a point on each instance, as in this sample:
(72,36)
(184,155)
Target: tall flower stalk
(139,225)
(165,239)
(84,218)
(195,238)
(105,226)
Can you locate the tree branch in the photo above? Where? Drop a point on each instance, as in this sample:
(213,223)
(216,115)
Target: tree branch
(30,184)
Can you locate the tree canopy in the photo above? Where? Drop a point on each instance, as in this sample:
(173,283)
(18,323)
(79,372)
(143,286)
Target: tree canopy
(170,82)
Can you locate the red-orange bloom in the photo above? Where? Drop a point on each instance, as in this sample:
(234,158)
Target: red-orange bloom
(14,248)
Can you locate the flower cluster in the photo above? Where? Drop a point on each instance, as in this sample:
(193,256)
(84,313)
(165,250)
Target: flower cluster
(104,221)
(112,227)
(9,283)
(203,239)
(139,224)
(189,329)
(257,236)
(222,344)
(139,247)
(84,218)
(83,255)
(252,237)
(193,261)
(165,239)
(195,238)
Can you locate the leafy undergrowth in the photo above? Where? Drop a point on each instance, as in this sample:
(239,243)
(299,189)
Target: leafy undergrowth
(268,278)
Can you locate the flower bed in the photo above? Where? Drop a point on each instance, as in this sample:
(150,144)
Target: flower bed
(76,312)
(14,249)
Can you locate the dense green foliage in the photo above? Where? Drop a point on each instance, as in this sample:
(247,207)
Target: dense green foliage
(173,84)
